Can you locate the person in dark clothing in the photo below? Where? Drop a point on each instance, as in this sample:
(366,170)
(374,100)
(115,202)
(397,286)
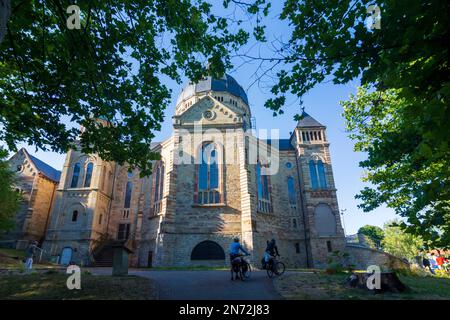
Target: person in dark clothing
(426,264)
(270,253)
(29,255)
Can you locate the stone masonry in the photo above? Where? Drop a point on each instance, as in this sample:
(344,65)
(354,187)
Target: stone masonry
(189,211)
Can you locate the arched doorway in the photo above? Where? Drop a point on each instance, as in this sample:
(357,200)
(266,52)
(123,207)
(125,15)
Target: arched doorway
(208,250)
(66,256)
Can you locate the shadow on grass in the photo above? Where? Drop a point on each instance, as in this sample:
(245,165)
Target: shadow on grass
(52,286)
(321,286)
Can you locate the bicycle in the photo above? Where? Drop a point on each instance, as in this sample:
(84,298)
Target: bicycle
(240,267)
(275,267)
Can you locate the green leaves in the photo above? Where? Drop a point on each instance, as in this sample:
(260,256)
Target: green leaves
(400,115)
(110,69)
(407,164)
(374,234)
(401,244)
(9,198)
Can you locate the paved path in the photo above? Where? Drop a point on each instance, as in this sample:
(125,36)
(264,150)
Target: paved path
(207,285)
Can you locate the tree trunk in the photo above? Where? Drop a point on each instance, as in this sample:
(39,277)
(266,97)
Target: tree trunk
(5,12)
(389,282)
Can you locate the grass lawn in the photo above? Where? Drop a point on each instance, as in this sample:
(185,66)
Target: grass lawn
(320,286)
(52,286)
(12,259)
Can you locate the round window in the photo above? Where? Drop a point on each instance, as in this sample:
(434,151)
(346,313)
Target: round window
(208,115)
(288,165)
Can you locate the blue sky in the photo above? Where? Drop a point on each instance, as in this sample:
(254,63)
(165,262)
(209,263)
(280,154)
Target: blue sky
(322,103)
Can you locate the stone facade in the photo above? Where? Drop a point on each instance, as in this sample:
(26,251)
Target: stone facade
(256,190)
(361,258)
(37,184)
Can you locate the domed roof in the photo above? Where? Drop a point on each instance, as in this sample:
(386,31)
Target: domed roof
(227,83)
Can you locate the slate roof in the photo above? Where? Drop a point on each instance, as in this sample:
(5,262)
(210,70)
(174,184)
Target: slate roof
(44,168)
(227,83)
(283,144)
(308,121)
(153,145)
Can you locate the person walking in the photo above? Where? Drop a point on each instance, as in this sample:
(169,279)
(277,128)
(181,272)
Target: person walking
(29,256)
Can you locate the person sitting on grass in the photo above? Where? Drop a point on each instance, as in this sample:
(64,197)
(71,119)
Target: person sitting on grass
(432,258)
(440,261)
(426,264)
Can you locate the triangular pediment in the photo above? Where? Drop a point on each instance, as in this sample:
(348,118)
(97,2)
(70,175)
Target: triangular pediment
(33,165)
(208,111)
(21,159)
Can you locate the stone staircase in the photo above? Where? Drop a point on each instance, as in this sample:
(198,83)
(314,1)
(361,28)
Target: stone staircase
(104,256)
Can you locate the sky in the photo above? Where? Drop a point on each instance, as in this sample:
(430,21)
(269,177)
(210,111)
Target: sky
(322,103)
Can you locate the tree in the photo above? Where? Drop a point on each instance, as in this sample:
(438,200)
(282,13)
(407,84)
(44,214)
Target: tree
(408,175)
(111,68)
(9,198)
(406,62)
(5,11)
(374,234)
(399,243)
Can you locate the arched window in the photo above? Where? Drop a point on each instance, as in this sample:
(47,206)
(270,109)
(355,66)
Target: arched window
(313,174)
(317,173)
(157,182)
(75,216)
(322,177)
(158,187)
(128,192)
(291,192)
(75,175)
(262,181)
(208,175)
(88,176)
(208,250)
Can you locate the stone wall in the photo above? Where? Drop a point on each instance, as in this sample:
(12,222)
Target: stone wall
(37,197)
(42,199)
(362,257)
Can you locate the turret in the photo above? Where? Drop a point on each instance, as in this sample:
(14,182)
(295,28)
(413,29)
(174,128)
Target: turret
(320,206)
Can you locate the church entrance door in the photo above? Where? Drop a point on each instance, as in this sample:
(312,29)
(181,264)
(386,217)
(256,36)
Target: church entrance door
(66,256)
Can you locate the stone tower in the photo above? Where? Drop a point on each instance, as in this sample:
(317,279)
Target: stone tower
(197,213)
(318,191)
(81,209)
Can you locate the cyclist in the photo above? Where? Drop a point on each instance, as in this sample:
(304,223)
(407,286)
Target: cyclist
(235,248)
(270,253)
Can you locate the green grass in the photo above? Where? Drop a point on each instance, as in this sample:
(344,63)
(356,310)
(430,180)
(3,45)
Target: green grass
(52,286)
(11,259)
(12,253)
(321,286)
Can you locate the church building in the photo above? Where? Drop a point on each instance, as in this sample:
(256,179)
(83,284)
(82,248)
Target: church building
(215,181)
